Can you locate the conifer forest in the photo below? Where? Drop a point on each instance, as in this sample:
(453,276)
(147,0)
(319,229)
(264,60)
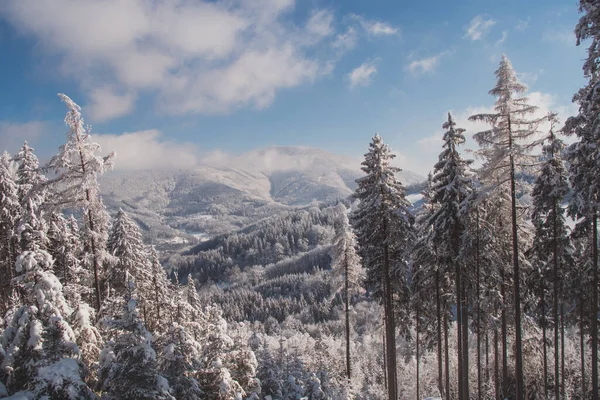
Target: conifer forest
(485,287)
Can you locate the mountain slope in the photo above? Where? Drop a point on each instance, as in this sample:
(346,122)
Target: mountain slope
(215,199)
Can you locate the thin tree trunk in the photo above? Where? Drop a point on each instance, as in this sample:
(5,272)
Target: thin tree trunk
(385,379)
(478,315)
(487,358)
(446,351)
(517,278)
(582,342)
(390,324)
(504,333)
(439,332)
(545,350)
(465,343)
(496,367)
(556,353)
(347,304)
(594,308)
(417,326)
(562,349)
(459,336)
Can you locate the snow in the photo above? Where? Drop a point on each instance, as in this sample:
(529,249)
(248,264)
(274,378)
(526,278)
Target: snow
(413,198)
(64,371)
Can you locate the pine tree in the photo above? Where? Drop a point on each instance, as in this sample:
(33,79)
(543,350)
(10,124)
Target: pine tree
(77,167)
(551,250)
(584,157)
(128,366)
(505,148)
(10,212)
(384,229)
(346,264)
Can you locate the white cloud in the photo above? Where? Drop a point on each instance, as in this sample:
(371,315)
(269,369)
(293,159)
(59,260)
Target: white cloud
(362,75)
(179,50)
(13,134)
(145,150)
(429,147)
(106,104)
(345,41)
(479,27)
(376,28)
(425,65)
(522,24)
(502,38)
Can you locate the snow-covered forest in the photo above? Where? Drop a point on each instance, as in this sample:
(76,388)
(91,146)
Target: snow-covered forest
(487,289)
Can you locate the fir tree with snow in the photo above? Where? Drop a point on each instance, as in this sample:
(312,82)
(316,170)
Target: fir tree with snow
(77,167)
(385,234)
(128,364)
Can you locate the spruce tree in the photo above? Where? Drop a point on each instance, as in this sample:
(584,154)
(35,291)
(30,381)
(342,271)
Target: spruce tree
(505,150)
(10,212)
(584,158)
(385,234)
(346,264)
(128,365)
(77,167)
(451,186)
(551,250)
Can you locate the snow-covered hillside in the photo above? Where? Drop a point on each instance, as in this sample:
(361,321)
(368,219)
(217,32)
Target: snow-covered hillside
(228,195)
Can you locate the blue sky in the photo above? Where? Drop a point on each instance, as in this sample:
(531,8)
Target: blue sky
(190,82)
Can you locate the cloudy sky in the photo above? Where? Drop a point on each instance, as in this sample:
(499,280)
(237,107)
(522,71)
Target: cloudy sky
(179,82)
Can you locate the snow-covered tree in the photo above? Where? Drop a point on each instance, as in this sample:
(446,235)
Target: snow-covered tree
(505,150)
(451,186)
(128,365)
(551,251)
(584,157)
(384,230)
(10,212)
(346,267)
(159,295)
(178,360)
(130,258)
(77,167)
(41,355)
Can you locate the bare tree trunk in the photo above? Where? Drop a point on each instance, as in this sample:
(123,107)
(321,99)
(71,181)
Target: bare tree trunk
(465,343)
(556,353)
(594,308)
(459,336)
(582,342)
(439,332)
(497,367)
(390,323)
(417,326)
(545,351)
(562,350)
(446,351)
(504,333)
(478,315)
(347,304)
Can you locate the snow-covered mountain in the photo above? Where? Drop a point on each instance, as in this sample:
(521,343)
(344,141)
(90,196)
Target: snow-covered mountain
(227,195)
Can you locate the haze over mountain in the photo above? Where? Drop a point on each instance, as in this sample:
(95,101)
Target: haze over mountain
(233,191)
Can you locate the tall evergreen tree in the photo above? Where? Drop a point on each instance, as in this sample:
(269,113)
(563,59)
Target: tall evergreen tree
(128,366)
(77,167)
(505,149)
(41,356)
(551,250)
(451,187)
(584,158)
(384,229)
(345,264)
(10,212)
